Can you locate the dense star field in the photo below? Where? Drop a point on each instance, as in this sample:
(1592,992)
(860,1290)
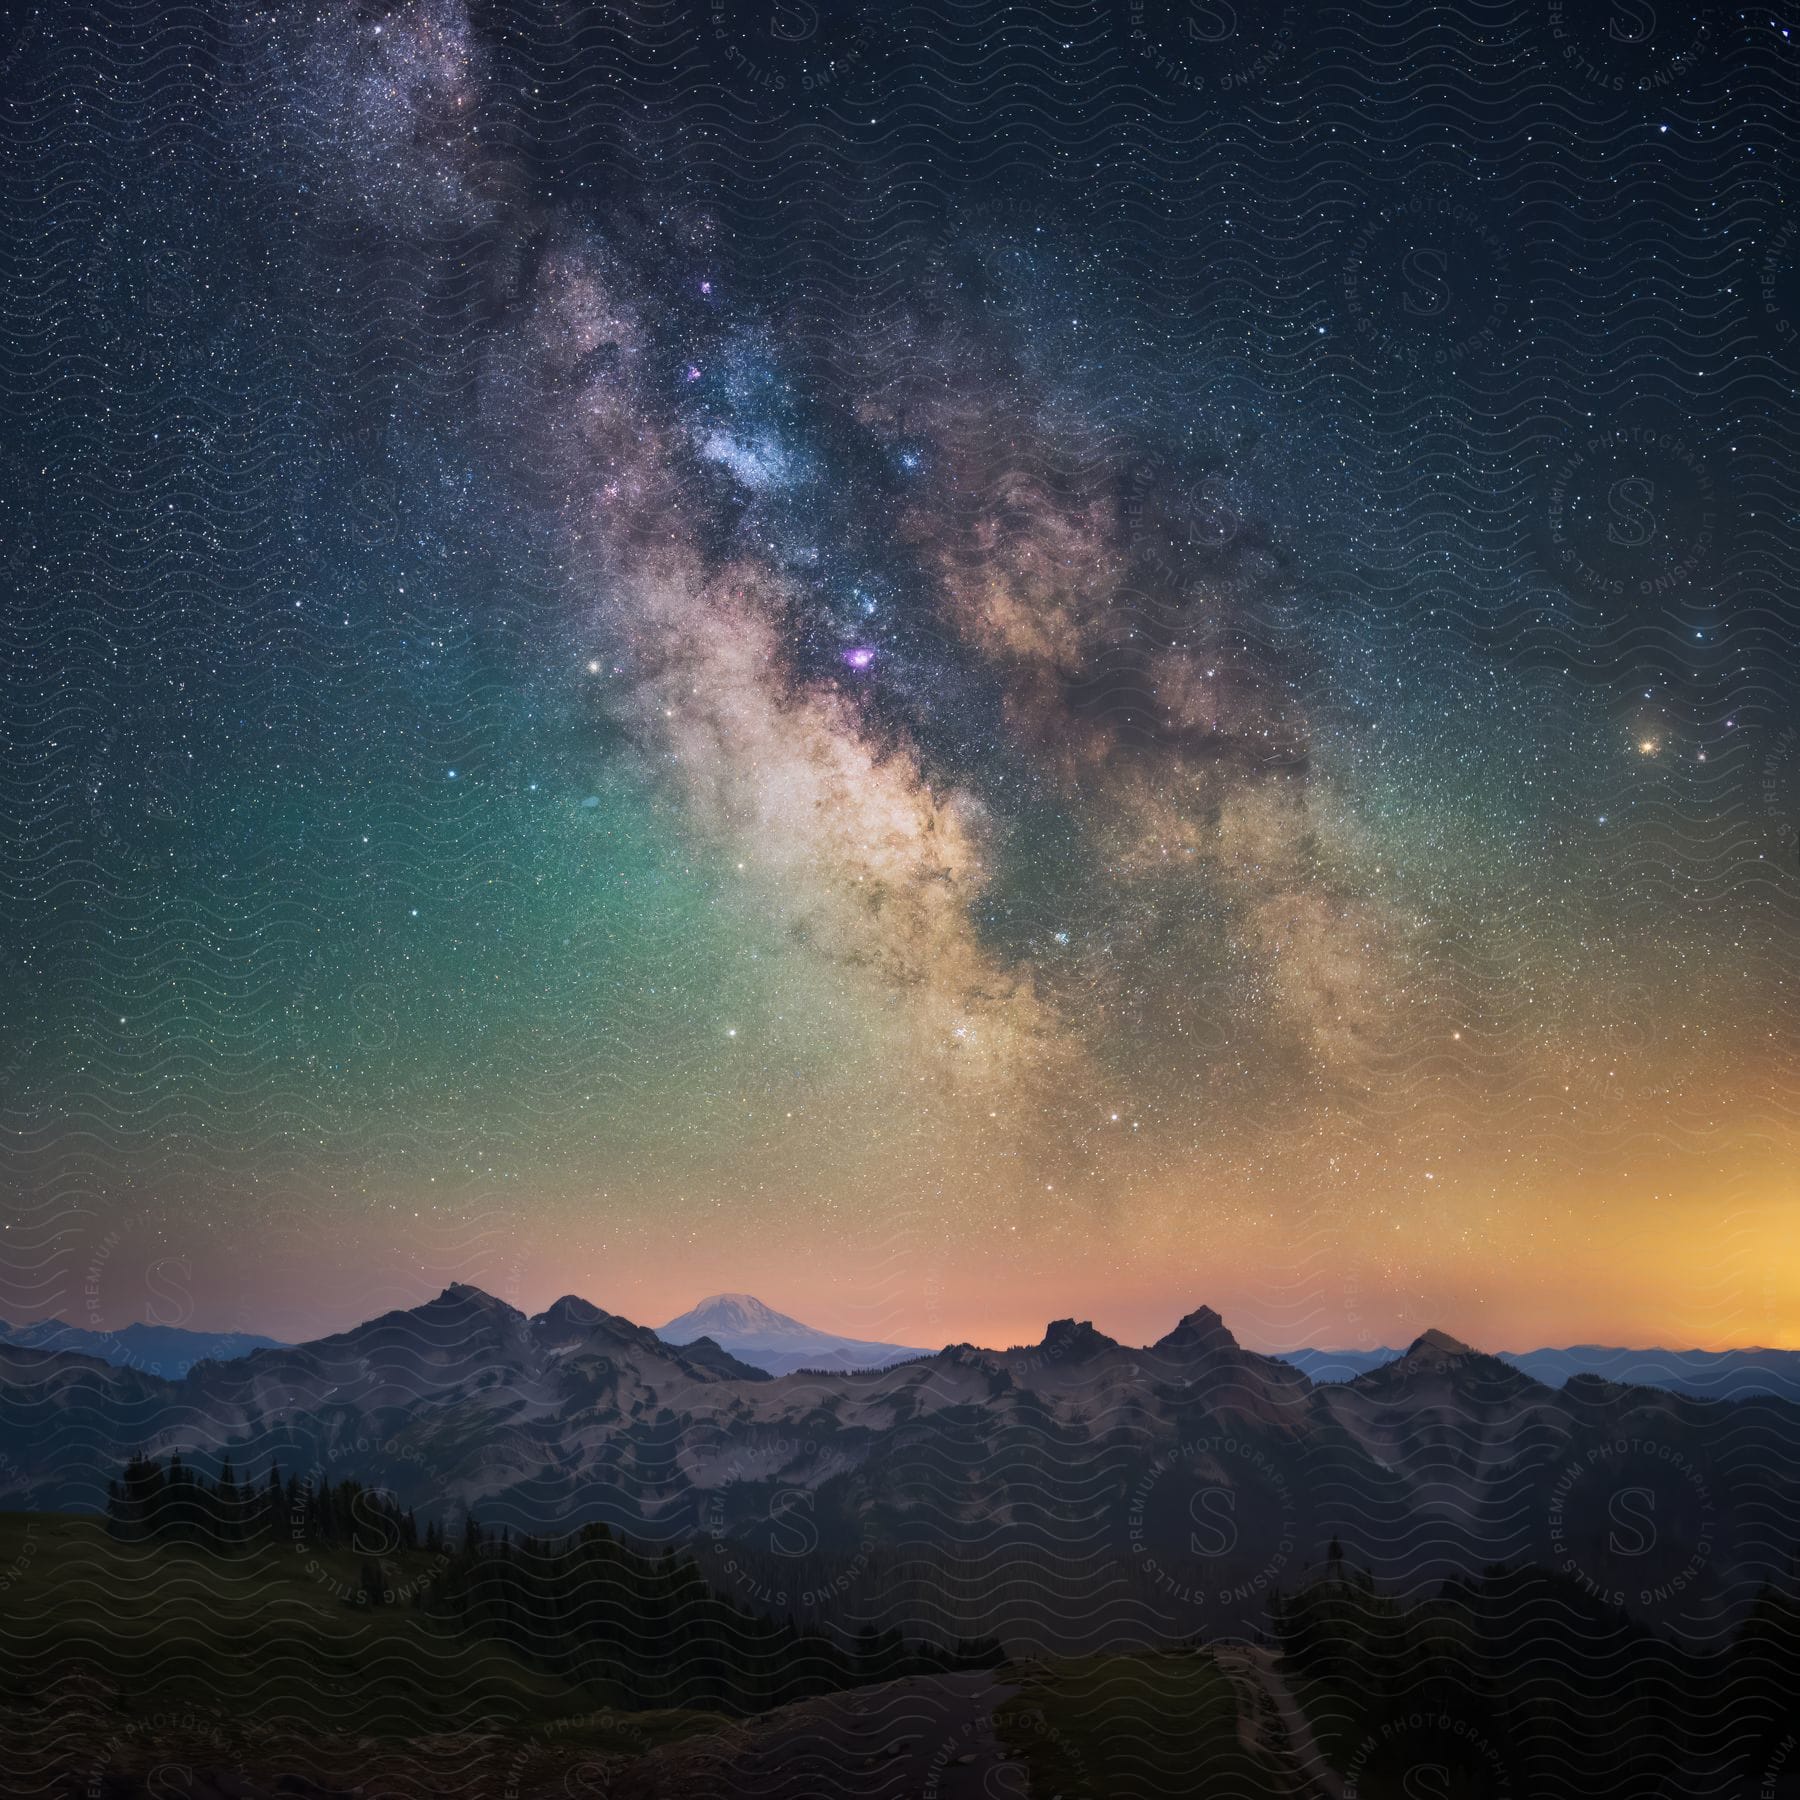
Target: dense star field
(951,665)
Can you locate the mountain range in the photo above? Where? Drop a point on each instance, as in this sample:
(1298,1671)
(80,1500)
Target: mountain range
(764,1339)
(157,1349)
(1709,1374)
(1071,1492)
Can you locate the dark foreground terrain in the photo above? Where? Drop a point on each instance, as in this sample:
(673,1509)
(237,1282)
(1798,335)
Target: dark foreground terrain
(141,1667)
(462,1551)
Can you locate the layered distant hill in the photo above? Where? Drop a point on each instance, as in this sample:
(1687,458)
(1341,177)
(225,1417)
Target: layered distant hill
(157,1349)
(770,1340)
(1709,1374)
(1072,1492)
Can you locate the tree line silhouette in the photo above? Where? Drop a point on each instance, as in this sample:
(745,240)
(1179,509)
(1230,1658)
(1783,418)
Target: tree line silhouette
(645,1627)
(649,1626)
(179,1505)
(1522,1681)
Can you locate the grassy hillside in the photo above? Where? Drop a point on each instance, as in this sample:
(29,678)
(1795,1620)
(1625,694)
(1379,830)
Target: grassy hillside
(115,1656)
(166,1626)
(1162,1723)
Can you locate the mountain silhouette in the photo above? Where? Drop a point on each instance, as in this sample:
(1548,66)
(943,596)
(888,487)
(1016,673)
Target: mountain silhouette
(746,1328)
(1708,1374)
(1080,1489)
(159,1349)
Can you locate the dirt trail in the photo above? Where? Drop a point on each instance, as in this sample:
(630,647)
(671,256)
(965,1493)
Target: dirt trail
(930,1737)
(1253,1665)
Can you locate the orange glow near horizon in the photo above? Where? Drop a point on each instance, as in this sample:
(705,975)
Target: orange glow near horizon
(1712,1261)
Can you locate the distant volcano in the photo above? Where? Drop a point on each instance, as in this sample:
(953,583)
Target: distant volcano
(757,1334)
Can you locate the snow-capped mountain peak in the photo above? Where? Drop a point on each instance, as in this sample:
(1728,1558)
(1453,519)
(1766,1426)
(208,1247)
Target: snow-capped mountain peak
(758,1334)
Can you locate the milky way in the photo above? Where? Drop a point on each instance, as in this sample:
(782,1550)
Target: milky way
(716,506)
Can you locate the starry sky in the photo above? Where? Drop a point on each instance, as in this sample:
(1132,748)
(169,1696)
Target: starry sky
(954,665)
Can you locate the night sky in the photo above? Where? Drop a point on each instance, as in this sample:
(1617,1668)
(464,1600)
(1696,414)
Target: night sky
(951,664)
